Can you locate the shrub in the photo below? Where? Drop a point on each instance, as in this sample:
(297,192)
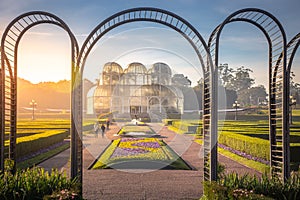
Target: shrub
(186,126)
(271,187)
(34,183)
(213,190)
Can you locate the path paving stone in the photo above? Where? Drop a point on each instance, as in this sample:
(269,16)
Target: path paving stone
(144,184)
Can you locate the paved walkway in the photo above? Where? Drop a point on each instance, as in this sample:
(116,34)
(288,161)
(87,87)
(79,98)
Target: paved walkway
(143,184)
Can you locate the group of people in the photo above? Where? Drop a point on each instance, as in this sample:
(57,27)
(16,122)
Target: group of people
(97,128)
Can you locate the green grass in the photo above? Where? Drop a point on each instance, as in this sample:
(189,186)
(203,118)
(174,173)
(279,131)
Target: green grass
(176,130)
(43,123)
(33,135)
(150,152)
(48,123)
(249,163)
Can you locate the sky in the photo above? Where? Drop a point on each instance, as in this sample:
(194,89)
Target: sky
(44,51)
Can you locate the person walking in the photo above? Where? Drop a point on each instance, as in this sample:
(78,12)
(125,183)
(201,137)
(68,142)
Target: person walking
(96,129)
(107,124)
(103,130)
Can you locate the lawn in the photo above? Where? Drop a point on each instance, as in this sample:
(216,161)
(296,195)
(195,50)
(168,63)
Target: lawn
(250,137)
(34,136)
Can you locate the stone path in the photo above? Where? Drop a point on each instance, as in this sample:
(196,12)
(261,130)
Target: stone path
(144,184)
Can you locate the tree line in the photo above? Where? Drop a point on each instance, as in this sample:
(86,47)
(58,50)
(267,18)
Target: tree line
(238,85)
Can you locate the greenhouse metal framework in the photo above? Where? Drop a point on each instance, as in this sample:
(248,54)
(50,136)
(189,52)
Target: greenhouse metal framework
(137,92)
(279,73)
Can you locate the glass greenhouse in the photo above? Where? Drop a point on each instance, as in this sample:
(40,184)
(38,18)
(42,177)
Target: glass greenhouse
(137,91)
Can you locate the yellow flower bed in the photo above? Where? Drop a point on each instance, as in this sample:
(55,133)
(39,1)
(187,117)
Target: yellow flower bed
(138,149)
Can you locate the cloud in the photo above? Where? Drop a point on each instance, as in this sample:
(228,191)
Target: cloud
(40,33)
(245,43)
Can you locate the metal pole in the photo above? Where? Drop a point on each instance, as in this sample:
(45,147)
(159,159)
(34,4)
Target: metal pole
(33,104)
(235,117)
(32,111)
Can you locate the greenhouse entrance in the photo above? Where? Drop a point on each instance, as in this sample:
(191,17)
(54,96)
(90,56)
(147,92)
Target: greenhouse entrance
(135,110)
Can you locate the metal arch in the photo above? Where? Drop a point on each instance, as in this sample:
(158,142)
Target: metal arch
(9,48)
(194,38)
(292,48)
(145,14)
(278,81)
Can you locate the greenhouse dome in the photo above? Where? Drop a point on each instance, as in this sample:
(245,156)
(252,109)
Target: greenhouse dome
(137,91)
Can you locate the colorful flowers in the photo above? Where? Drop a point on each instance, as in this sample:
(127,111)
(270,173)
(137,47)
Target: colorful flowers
(134,150)
(147,144)
(133,147)
(243,154)
(121,152)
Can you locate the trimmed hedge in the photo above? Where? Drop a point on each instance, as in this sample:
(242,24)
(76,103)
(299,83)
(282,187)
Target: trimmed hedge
(29,144)
(246,136)
(185,126)
(254,146)
(294,153)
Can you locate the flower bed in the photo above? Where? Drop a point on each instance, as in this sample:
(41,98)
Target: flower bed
(243,154)
(134,151)
(131,130)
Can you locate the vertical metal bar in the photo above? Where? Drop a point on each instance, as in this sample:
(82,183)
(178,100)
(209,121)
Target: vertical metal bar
(285,121)
(79,132)
(272,111)
(213,127)
(13,117)
(2,109)
(206,168)
(74,164)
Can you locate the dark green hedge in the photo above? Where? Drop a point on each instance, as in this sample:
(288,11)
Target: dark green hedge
(33,143)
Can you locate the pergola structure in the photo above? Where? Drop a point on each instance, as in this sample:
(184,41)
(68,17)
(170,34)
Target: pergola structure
(8,78)
(207,55)
(278,81)
(183,27)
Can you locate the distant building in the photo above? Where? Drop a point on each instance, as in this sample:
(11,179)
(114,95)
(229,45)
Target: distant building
(137,90)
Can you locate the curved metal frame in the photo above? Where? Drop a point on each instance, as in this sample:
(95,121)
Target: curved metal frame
(9,57)
(292,48)
(278,81)
(194,38)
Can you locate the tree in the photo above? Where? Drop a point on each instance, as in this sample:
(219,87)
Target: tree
(181,80)
(242,79)
(198,91)
(252,96)
(258,94)
(226,76)
(294,88)
(237,80)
